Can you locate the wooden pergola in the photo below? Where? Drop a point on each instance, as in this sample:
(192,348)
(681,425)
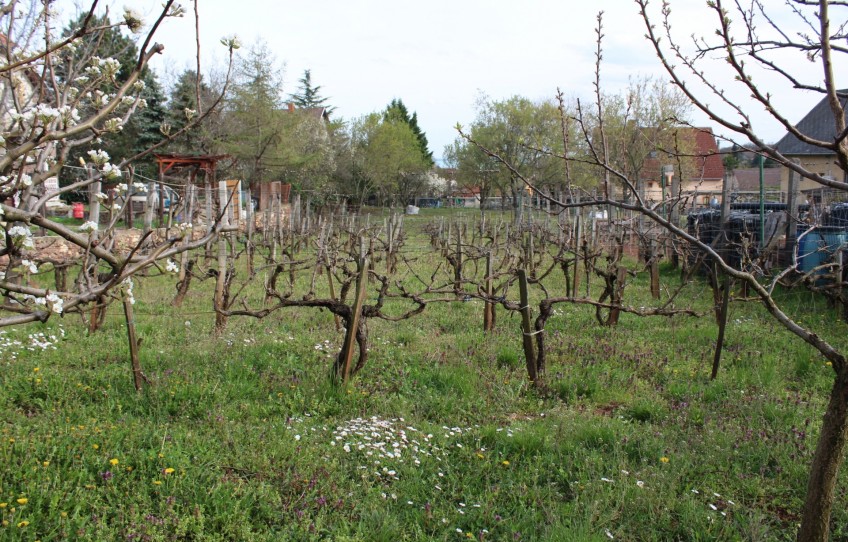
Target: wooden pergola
(208,164)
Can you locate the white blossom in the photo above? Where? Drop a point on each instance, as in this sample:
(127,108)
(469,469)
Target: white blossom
(113,125)
(21,237)
(98,156)
(189,113)
(176,11)
(111,67)
(172,267)
(45,113)
(111,171)
(56,303)
(127,285)
(232,42)
(133,20)
(30,266)
(89,226)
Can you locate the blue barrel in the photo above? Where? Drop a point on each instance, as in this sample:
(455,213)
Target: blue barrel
(819,246)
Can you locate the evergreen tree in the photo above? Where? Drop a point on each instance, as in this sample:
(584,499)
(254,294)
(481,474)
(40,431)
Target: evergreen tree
(182,105)
(309,96)
(143,128)
(397,111)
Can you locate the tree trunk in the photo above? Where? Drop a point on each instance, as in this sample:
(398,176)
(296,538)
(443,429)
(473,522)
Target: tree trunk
(830,452)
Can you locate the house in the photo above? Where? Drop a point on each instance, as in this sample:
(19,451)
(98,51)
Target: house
(818,124)
(747,185)
(703,170)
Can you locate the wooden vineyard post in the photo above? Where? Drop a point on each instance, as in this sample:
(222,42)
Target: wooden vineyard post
(527,328)
(578,234)
(250,220)
(655,271)
(489,306)
(220,319)
(150,207)
(457,279)
(333,296)
(722,324)
(346,354)
(138,376)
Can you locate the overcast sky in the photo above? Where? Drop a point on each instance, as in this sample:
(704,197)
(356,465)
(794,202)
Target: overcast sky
(439,56)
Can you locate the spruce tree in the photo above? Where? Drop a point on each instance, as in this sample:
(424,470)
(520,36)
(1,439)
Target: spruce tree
(143,128)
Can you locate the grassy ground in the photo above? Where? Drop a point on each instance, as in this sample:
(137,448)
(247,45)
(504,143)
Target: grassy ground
(241,437)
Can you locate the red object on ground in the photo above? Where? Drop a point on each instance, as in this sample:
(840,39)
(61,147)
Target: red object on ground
(79,210)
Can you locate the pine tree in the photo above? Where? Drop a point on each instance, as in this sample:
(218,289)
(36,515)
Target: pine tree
(308,96)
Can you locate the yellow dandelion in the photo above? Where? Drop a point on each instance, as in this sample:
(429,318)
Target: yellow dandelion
(157,483)
(11,441)
(663,459)
(829,364)
(129,469)
(505,463)
(95,446)
(38,381)
(63,514)
(22,500)
(36,369)
(5,523)
(480,456)
(45,463)
(114,461)
(169,470)
(4,504)
(24,523)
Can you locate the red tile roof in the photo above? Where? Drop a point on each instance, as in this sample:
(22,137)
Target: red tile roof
(707,163)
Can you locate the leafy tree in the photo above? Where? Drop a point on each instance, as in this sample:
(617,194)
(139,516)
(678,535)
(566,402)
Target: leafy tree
(255,128)
(387,159)
(397,112)
(521,132)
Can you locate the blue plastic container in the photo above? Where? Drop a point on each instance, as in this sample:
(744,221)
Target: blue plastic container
(819,246)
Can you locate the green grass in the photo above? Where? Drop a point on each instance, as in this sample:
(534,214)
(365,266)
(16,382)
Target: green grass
(629,435)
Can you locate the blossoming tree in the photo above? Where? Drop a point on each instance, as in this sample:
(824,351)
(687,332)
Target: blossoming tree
(57,96)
